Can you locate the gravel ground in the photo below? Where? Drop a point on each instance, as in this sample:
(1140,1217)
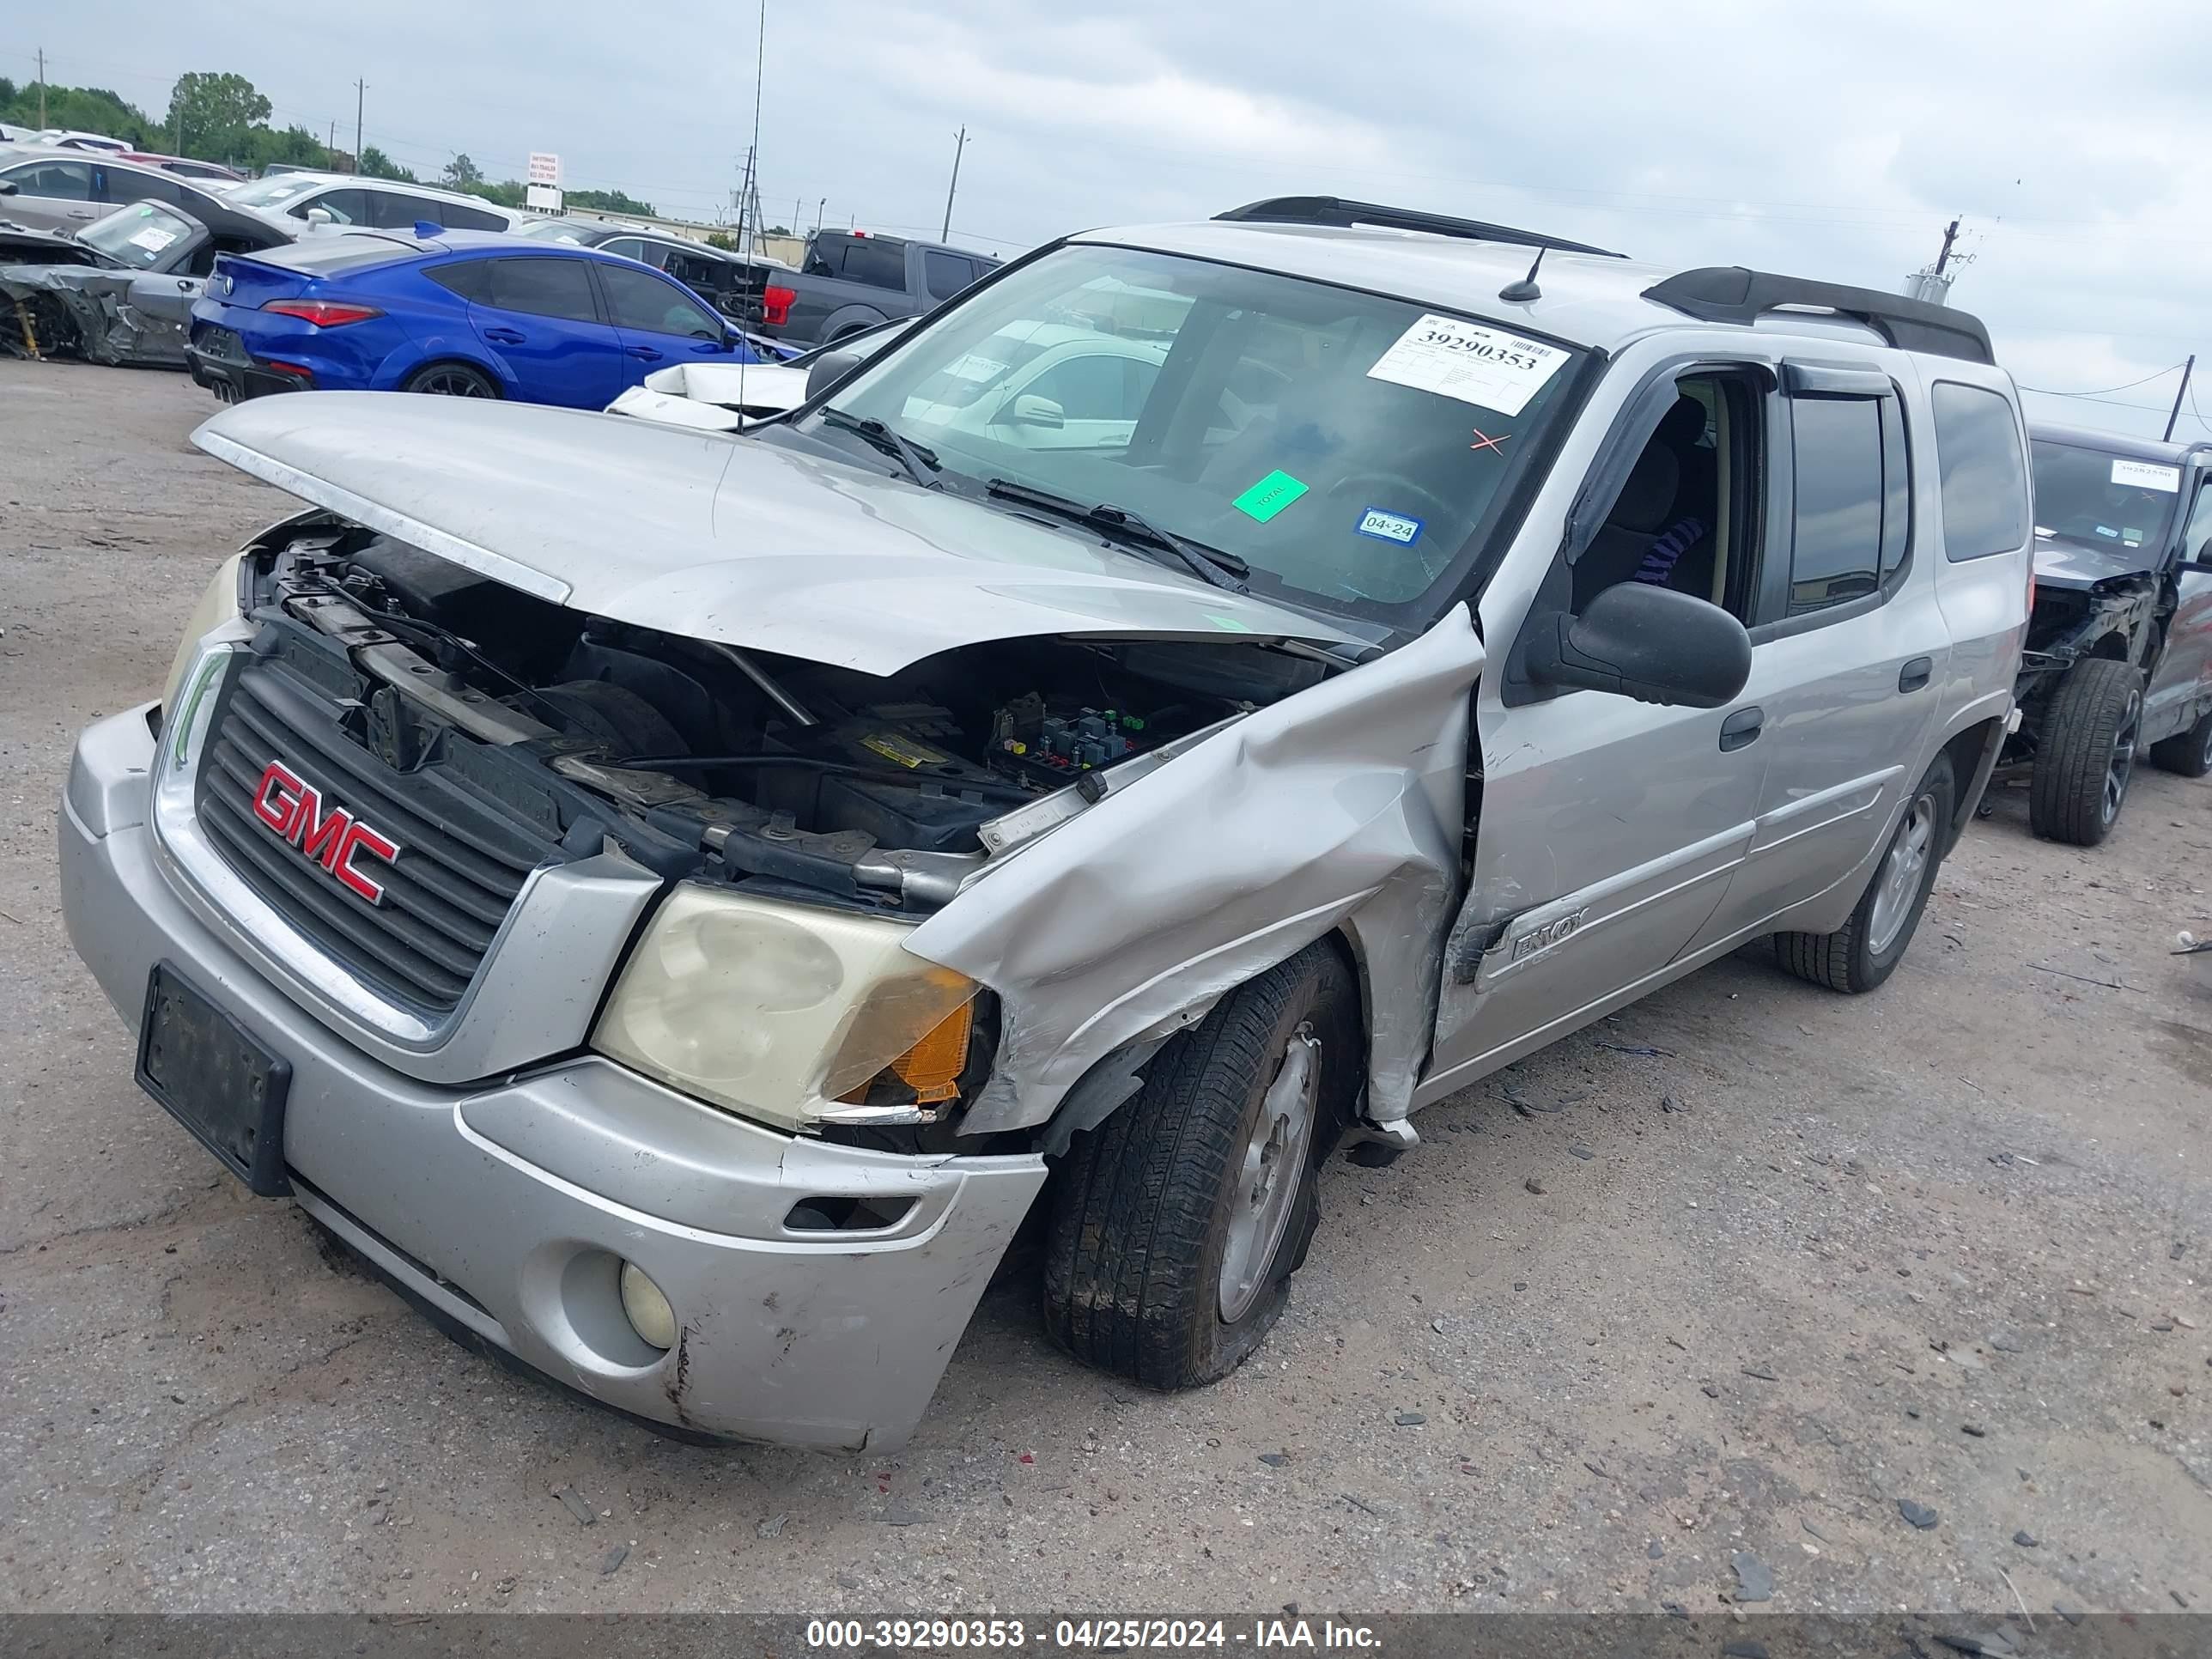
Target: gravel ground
(1941,1246)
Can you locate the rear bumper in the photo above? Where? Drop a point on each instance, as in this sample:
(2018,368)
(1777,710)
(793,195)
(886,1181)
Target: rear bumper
(506,1208)
(233,382)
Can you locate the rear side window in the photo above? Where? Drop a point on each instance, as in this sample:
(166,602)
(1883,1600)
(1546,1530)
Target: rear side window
(1836,546)
(64,181)
(471,279)
(945,274)
(1984,476)
(879,264)
(463,218)
(544,288)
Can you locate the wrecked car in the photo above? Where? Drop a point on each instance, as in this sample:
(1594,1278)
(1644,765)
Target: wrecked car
(120,290)
(2118,661)
(676,902)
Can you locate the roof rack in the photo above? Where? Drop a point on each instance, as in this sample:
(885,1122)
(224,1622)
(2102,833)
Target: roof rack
(1733,294)
(1333,211)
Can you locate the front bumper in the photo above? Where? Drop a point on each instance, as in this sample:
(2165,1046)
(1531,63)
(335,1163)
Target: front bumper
(506,1206)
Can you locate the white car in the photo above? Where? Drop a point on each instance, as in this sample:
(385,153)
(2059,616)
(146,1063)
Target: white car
(63,138)
(725,397)
(344,199)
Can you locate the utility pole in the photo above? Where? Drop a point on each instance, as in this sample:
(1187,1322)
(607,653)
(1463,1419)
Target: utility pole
(2175,414)
(958,144)
(332,141)
(1950,235)
(42,88)
(818,207)
(359,96)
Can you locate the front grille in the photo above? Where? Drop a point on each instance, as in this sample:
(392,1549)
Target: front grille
(462,856)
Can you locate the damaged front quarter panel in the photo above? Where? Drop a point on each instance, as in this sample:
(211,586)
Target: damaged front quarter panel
(1342,807)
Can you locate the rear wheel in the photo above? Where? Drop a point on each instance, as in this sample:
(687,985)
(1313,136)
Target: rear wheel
(450,381)
(2087,752)
(1177,1223)
(2189,753)
(1866,950)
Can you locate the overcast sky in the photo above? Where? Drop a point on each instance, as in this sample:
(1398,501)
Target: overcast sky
(2075,137)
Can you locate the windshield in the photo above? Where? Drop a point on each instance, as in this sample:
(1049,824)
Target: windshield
(1347,447)
(551,230)
(2093,496)
(140,236)
(275,190)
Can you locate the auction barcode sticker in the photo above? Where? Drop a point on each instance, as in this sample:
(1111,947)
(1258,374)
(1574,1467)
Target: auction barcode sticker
(2147,475)
(1482,366)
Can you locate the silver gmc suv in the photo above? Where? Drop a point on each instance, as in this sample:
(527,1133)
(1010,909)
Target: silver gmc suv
(676,901)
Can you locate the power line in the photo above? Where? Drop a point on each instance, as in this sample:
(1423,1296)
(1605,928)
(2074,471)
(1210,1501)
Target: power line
(2099,391)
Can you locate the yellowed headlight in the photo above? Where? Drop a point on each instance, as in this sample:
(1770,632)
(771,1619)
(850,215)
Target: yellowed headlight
(771,1009)
(218,604)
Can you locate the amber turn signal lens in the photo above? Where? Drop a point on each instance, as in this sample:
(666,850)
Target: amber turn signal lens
(932,1067)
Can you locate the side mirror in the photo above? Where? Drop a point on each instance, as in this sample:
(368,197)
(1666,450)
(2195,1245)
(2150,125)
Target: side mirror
(1650,644)
(827,369)
(317,216)
(1030,409)
(9,187)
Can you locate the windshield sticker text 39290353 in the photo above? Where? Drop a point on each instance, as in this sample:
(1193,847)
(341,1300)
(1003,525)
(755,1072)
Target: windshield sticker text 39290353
(1454,358)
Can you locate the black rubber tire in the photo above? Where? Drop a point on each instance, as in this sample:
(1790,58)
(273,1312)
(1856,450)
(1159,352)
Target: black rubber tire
(420,381)
(1140,1212)
(1842,961)
(2188,753)
(2066,793)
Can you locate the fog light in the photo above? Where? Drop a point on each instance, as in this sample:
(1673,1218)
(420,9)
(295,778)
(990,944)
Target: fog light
(647,1310)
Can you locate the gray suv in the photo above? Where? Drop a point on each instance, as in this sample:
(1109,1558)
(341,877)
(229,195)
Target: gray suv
(676,902)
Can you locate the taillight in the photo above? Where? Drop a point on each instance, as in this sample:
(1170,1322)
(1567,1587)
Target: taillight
(775,305)
(323,314)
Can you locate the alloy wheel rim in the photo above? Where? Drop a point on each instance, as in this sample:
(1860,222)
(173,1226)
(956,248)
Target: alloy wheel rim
(1270,1167)
(1902,873)
(448,385)
(2121,765)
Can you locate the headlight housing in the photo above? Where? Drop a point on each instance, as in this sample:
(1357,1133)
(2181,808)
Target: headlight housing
(222,601)
(775,1010)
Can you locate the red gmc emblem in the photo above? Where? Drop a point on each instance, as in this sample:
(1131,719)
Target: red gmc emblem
(292,809)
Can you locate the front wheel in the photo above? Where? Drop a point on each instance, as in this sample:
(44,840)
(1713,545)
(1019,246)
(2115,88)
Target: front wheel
(1866,950)
(2189,753)
(1176,1224)
(2087,753)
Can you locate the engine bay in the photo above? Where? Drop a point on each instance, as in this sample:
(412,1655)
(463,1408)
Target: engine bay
(884,791)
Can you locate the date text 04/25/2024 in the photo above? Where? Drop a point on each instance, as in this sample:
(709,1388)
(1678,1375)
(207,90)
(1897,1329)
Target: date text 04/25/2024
(1089,1635)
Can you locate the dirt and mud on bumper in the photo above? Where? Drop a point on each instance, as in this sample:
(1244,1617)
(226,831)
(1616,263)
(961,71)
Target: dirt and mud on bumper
(508,1208)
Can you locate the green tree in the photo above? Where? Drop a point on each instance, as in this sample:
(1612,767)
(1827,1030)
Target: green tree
(295,146)
(86,109)
(608,201)
(461,173)
(721,239)
(7,92)
(375,164)
(216,115)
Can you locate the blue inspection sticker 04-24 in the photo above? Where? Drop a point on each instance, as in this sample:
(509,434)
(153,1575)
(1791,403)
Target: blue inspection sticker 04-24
(1387,526)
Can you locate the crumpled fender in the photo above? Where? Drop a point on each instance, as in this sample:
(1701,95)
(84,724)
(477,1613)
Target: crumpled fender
(1340,807)
(109,329)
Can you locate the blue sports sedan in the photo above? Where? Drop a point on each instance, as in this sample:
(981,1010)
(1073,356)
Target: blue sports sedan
(465,313)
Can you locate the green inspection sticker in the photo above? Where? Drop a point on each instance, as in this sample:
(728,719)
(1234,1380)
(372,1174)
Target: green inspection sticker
(1269,496)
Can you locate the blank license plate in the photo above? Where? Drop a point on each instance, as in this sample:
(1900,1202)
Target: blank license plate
(209,1073)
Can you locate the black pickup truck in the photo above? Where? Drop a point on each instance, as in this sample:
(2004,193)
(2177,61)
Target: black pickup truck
(850,280)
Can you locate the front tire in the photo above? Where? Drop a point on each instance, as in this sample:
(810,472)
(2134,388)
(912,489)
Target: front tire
(1866,950)
(1177,1223)
(2188,753)
(2087,753)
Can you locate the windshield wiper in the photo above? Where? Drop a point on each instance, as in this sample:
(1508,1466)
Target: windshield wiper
(1211,565)
(919,463)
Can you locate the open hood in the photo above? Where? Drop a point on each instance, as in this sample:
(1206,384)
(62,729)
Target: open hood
(714,538)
